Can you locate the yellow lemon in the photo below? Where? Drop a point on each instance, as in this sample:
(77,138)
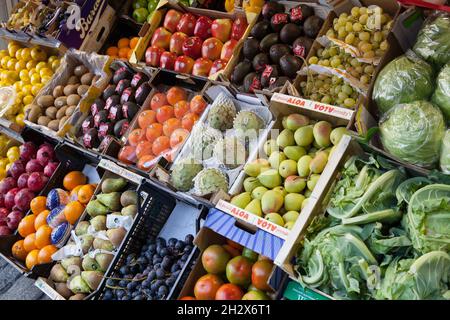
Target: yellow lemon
(45,79)
(11,64)
(35,78)
(13,49)
(19,119)
(26,89)
(41,65)
(32,71)
(2,173)
(13,76)
(26,54)
(51,59)
(8,166)
(13,154)
(4,62)
(38,54)
(18,86)
(56,64)
(31,64)
(24,76)
(20,65)
(27,99)
(36,88)
(18,54)
(3,162)
(45,72)
(3,53)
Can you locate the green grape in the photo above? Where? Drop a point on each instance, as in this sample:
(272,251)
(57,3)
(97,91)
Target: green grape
(365,47)
(384,45)
(349,27)
(369,54)
(326,99)
(363,19)
(313,60)
(325,62)
(342,96)
(319,52)
(347,89)
(359,69)
(355,12)
(362,10)
(350,38)
(325,54)
(342,33)
(333,51)
(349,102)
(369,69)
(364,36)
(335,62)
(331,34)
(378,36)
(364,79)
(357,27)
(354,62)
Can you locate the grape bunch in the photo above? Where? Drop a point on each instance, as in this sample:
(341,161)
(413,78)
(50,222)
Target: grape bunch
(364,28)
(151,274)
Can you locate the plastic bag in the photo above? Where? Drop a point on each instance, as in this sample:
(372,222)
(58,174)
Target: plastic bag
(405,79)
(433,40)
(413,132)
(445,153)
(442,94)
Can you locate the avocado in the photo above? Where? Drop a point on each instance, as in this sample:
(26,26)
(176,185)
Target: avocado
(260,61)
(121,127)
(268,41)
(277,51)
(290,32)
(271,8)
(304,42)
(278,21)
(312,26)
(248,81)
(279,82)
(260,30)
(305,10)
(290,65)
(240,71)
(251,48)
(265,78)
(109,91)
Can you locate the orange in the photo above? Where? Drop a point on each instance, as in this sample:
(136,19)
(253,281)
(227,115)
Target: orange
(112,51)
(26,226)
(123,43)
(73,211)
(28,242)
(38,204)
(133,42)
(43,236)
(74,193)
(85,193)
(74,179)
(41,219)
(123,52)
(18,251)
(32,259)
(45,254)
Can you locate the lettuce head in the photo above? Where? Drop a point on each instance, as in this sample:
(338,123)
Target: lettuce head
(441,96)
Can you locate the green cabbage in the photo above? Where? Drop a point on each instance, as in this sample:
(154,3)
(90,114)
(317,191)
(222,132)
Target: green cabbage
(405,79)
(445,153)
(442,94)
(413,132)
(433,41)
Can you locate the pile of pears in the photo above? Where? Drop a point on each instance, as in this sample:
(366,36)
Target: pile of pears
(278,187)
(76,276)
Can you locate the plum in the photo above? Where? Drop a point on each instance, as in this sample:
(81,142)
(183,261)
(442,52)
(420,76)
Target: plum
(7,184)
(23,180)
(4,231)
(34,165)
(50,168)
(37,181)
(14,219)
(27,151)
(45,154)
(23,198)
(9,198)
(16,169)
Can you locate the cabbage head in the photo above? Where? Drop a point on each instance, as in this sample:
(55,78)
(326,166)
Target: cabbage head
(445,153)
(433,41)
(413,132)
(441,96)
(405,79)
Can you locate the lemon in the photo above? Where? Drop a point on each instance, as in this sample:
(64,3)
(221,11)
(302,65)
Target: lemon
(31,64)
(45,72)
(17,86)
(3,53)
(11,64)
(36,88)
(55,65)
(8,166)
(27,99)
(13,154)
(38,54)
(19,119)
(45,79)
(26,54)
(4,61)
(3,162)
(24,76)
(20,65)
(35,78)
(26,89)
(12,76)
(51,59)
(18,54)
(32,71)
(41,65)
(12,49)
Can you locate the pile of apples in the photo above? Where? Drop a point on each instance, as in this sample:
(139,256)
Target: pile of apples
(194,45)
(26,177)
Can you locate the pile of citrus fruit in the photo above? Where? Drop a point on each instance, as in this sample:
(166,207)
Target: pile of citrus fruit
(124,48)
(27,69)
(41,229)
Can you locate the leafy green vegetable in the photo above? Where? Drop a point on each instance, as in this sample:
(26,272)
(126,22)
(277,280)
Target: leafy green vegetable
(413,132)
(441,96)
(408,187)
(405,79)
(445,153)
(428,218)
(433,40)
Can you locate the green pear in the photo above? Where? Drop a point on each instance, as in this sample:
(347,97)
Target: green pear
(284,122)
(303,166)
(295,121)
(78,296)
(321,132)
(281,190)
(276,158)
(275,218)
(305,202)
(113,185)
(86,242)
(293,202)
(307,193)
(96,208)
(78,285)
(291,216)
(116,236)
(81,228)
(312,152)
(311,184)
(63,289)
(336,135)
(270,146)
(289,225)
(71,261)
(254,168)
(102,244)
(285,139)
(258,192)
(241,200)
(304,136)
(270,178)
(294,184)
(110,200)
(272,201)
(317,165)
(99,223)
(254,207)
(89,264)
(130,210)
(250,183)
(294,152)
(104,260)
(129,197)
(58,274)
(92,278)
(288,168)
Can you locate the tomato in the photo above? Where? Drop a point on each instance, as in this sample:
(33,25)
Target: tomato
(207,286)
(261,271)
(229,292)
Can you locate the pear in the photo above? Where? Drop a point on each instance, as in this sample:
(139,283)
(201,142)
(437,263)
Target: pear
(81,228)
(312,181)
(290,216)
(89,264)
(307,193)
(288,168)
(92,278)
(295,121)
(318,163)
(294,184)
(258,192)
(86,242)
(321,132)
(113,185)
(304,136)
(72,261)
(272,201)
(78,296)
(293,202)
(241,200)
(102,244)
(99,223)
(275,218)
(254,168)
(110,200)
(289,225)
(270,178)
(58,274)
(276,158)
(305,202)
(96,208)
(281,190)
(104,260)
(116,236)
(285,139)
(294,152)
(303,166)
(254,207)
(78,285)
(129,197)
(63,290)
(270,146)
(284,122)
(251,183)
(336,135)
(130,210)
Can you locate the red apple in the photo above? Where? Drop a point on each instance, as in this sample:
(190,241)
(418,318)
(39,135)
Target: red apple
(184,64)
(228,49)
(153,55)
(221,29)
(203,28)
(238,29)
(192,47)
(176,43)
(187,24)
(50,168)
(161,38)
(171,20)
(167,60)
(202,66)
(212,48)
(217,66)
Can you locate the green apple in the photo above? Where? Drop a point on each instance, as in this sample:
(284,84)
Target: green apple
(140,15)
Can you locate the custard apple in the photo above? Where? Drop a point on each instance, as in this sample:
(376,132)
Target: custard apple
(210,180)
(204,138)
(231,152)
(222,113)
(184,172)
(247,123)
